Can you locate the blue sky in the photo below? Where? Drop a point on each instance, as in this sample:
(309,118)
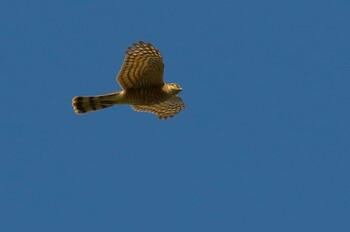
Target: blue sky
(263,144)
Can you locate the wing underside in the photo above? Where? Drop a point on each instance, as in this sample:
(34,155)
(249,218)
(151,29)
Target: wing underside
(164,110)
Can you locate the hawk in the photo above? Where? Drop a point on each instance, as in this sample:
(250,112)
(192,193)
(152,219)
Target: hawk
(141,80)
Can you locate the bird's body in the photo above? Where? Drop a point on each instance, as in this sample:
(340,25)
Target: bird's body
(147,96)
(141,79)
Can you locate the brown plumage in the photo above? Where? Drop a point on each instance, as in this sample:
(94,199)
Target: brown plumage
(141,79)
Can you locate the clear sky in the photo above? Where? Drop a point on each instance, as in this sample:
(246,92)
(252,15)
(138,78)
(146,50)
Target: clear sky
(263,144)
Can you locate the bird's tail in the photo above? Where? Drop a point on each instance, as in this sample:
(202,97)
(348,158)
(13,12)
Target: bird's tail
(87,104)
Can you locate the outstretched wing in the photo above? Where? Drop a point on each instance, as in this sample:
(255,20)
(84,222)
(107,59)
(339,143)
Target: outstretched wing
(163,110)
(142,68)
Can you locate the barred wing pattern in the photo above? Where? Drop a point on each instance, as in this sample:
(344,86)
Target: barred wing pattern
(142,68)
(163,110)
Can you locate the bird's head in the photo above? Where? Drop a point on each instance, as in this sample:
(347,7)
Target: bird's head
(173,88)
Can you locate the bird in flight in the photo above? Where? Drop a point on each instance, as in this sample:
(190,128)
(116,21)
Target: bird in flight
(141,80)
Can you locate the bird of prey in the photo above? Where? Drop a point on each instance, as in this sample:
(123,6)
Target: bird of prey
(141,80)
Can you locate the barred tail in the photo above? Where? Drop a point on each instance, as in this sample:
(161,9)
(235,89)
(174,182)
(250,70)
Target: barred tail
(87,104)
